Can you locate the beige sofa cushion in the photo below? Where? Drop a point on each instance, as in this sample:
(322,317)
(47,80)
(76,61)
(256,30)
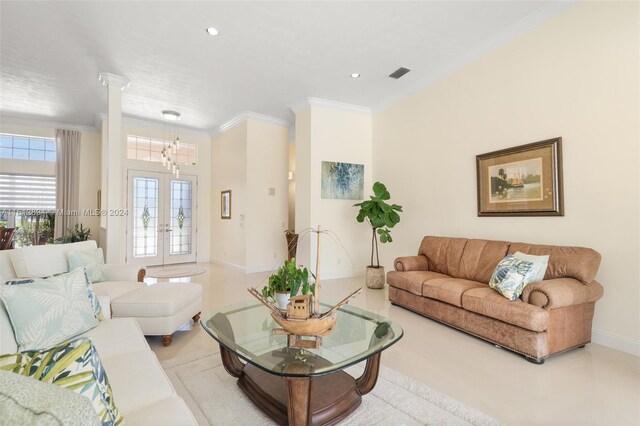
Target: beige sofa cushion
(47,260)
(580,263)
(448,290)
(143,369)
(411,281)
(443,254)
(170,411)
(116,337)
(486,301)
(480,258)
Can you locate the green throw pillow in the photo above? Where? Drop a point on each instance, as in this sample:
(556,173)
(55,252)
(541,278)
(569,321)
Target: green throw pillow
(24,401)
(511,276)
(91,260)
(74,365)
(48,311)
(93,299)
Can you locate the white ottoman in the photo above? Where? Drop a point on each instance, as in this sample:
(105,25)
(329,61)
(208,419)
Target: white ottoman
(161,308)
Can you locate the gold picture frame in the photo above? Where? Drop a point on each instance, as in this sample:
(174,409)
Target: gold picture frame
(225,204)
(525,180)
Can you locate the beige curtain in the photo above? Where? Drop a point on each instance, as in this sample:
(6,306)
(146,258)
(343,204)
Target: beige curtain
(67,179)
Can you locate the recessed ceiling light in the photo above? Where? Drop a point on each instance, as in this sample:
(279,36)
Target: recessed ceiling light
(212,31)
(355,75)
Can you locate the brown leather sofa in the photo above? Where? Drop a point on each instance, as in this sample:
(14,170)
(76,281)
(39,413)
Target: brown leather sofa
(448,282)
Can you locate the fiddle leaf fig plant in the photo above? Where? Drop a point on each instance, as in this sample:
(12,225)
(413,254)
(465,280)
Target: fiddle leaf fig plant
(289,278)
(380,216)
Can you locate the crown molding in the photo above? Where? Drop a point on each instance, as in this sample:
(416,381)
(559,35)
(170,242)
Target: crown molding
(149,124)
(108,79)
(326,103)
(490,44)
(22,121)
(248,115)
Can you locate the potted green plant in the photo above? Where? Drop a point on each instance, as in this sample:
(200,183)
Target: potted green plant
(287,282)
(74,235)
(381,217)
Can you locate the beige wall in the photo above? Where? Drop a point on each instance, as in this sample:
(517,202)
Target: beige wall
(324,133)
(250,158)
(292,187)
(266,215)
(229,172)
(89,167)
(576,76)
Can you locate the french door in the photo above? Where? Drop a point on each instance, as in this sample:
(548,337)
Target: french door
(162,218)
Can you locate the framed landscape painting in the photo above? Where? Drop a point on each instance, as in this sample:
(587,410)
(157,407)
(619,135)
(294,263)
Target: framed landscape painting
(522,181)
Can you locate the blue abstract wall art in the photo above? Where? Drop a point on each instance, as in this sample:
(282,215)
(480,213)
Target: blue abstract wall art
(343,181)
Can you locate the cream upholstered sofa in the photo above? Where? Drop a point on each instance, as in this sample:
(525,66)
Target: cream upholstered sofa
(160,309)
(448,281)
(141,390)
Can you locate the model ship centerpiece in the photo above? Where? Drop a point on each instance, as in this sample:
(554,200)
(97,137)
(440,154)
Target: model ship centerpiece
(301,319)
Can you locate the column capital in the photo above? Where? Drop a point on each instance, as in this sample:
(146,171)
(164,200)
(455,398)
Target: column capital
(108,79)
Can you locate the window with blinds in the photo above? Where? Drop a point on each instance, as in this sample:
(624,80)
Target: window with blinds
(27,192)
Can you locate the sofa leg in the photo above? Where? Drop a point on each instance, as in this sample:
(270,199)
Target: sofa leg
(166,340)
(196,318)
(534,361)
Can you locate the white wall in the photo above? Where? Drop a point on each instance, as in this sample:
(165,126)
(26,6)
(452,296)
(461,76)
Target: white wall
(576,76)
(89,166)
(229,172)
(326,133)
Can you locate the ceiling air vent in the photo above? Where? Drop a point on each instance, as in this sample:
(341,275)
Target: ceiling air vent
(399,72)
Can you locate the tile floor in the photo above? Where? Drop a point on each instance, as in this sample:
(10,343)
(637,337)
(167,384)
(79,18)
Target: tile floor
(591,386)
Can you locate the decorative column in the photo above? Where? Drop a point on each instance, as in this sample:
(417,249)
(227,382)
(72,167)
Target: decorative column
(113,161)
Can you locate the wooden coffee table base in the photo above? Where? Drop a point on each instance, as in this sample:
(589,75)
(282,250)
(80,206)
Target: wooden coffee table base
(303,401)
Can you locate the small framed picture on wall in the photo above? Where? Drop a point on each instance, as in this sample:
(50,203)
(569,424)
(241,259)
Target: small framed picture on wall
(225,204)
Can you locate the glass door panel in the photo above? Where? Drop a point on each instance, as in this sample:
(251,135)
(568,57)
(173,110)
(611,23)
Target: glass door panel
(181,220)
(161,228)
(145,207)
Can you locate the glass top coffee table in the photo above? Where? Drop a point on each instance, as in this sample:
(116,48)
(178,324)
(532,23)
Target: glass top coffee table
(301,386)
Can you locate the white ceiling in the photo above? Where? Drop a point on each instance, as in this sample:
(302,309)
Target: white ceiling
(268,54)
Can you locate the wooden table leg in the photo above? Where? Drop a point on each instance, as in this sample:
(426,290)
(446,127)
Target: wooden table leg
(231,362)
(366,382)
(299,401)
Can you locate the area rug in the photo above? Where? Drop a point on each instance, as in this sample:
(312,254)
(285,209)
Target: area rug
(174,272)
(215,399)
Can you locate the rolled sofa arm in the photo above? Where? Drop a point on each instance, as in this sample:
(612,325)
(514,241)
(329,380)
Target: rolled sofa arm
(411,263)
(124,272)
(561,292)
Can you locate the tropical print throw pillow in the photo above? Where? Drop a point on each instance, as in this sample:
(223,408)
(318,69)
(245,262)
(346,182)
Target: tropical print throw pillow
(74,365)
(48,311)
(93,299)
(511,276)
(91,260)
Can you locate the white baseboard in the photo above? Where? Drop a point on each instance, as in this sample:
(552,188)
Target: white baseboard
(264,268)
(228,265)
(614,341)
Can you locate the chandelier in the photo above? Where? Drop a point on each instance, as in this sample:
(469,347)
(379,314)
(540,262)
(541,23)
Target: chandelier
(171,147)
